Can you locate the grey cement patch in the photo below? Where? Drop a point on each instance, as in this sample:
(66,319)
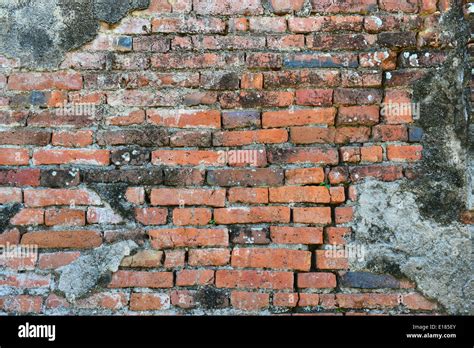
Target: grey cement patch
(40,32)
(412,228)
(397,239)
(84,274)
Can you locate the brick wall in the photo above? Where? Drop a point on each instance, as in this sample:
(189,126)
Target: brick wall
(224,138)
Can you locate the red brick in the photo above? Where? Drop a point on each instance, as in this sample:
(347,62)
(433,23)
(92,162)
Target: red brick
(174,258)
(143,258)
(282,299)
(103,300)
(20,177)
(248,215)
(304,176)
(14,157)
(21,304)
(44,81)
(286,6)
(358,115)
(48,197)
(240,138)
(135,195)
(191,216)
(151,216)
(249,301)
(404,153)
(319,280)
(149,301)
(304,117)
(183,299)
(314,97)
(209,257)
(10,195)
(28,217)
(187,25)
(272,258)
(295,194)
(89,157)
(185,118)
(316,215)
(26,281)
(63,239)
(167,196)
(252,81)
(248,195)
(367,300)
(310,155)
(308,300)
(344,214)
(390,133)
(408,6)
(135,279)
(337,235)
(188,237)
(227,7)
(56,260)
(65,217)
(371,153)
(186,157)
(103,216)
(331,259)
(72,139)
(338,195)
(194,277)
(254,279)
(296,235)
(418,302)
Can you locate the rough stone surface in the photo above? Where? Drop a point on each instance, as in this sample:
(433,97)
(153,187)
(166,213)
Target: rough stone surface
(40,32)
(79,277)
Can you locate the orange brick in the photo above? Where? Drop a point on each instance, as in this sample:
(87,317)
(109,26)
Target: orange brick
(151,216)
(404,153)
(82,156)
(367,300)
(63,239)
(149,301)
(72,139)
(247,215)
(14,157)
(168,196)
(188,237)
(248,195)
(282,299)
(209,257)
(317,280)
(304,176)
(272,258)
(192,216)
(28,217)
(331,259)
(48,197)
(194,277)
(254,279)
(295,194)
(135,195)
(296,235)
(316,215)
(56,260)
(135,279)
(10,195)
(65,217)
(249,301)
(272,119)
(371,153)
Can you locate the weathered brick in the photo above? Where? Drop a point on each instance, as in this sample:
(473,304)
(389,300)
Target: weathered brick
(188,237)
(227,216)
(254,279)
(63,239)
(296,235)
(272,258)
(141,279)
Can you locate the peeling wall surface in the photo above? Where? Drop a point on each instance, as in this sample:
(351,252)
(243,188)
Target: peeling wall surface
(235,157)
